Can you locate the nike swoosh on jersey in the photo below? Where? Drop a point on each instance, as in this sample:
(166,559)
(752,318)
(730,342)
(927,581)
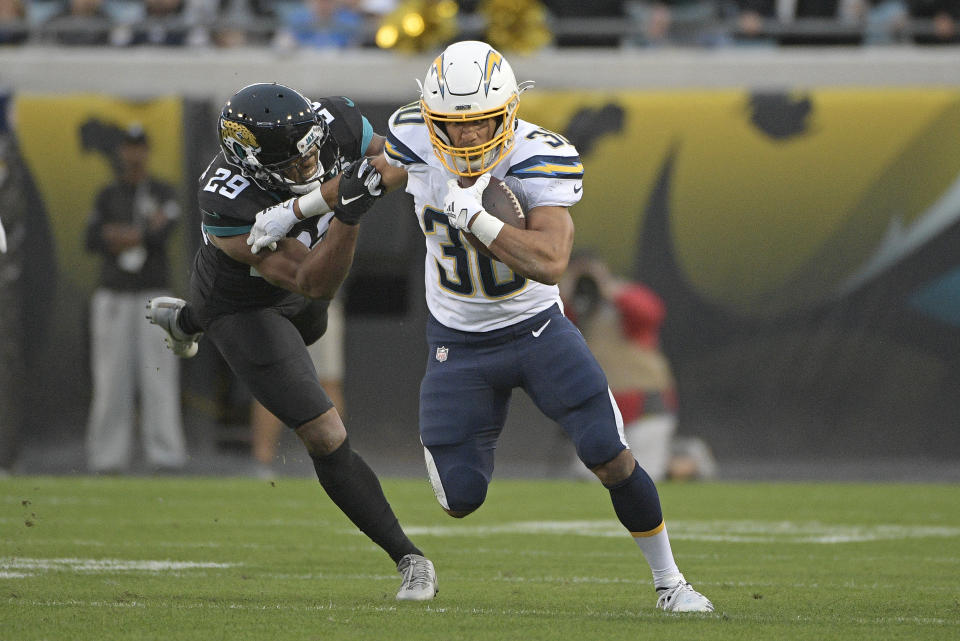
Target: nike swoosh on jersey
(347,201)
(578,189)
(536,333)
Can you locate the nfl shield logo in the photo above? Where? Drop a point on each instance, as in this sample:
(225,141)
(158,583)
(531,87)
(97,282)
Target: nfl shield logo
(442,353)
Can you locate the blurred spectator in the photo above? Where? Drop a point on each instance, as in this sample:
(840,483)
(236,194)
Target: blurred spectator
(13,22)
(944,17)
(129,228)
(230,23)
(677,22)
(887,22)
(323,24)
(621,322)
(339,24)
(80,23)
(569,10)
(377,8)
(801,22)
(162,24)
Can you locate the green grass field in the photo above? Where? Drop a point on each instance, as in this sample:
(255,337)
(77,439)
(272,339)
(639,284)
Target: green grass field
(207,559)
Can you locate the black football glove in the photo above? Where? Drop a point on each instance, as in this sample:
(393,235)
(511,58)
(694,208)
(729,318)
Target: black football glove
(359,189)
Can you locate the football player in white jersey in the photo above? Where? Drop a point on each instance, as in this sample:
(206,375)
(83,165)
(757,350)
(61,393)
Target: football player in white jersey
(497,324)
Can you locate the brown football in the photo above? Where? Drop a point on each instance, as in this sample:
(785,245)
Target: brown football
(501,203)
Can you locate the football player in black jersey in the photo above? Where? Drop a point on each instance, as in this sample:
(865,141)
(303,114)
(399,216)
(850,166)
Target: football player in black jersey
(302,161)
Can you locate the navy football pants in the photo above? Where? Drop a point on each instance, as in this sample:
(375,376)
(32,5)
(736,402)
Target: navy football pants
(465,394)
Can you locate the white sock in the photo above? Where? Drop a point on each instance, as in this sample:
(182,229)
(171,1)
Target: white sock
(656,549)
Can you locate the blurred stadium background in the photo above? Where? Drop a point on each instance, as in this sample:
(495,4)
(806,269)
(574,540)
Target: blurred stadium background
(798,208)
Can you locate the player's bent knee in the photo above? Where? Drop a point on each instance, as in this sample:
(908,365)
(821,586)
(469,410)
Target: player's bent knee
(599,448)
(465,489)
(324,434)
(618,469)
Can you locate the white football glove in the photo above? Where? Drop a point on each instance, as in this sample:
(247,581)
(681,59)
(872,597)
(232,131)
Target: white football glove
(271,225)
(463,203)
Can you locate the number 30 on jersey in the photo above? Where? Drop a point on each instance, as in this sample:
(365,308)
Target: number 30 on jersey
(461,280)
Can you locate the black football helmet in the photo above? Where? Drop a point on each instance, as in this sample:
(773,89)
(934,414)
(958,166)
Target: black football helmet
(270,131)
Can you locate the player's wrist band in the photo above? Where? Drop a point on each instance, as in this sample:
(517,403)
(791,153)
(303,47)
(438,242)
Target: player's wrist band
(486,227)
(313,204)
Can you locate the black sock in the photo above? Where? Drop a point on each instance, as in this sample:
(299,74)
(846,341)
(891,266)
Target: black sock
(636,501)
(186,323)
(354,488)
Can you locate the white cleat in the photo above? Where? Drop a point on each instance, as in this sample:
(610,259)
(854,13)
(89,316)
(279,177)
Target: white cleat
(682,598)
(163,311)
(419,579)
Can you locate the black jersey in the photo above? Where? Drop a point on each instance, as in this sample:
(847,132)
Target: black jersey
(229,202)
(128,204)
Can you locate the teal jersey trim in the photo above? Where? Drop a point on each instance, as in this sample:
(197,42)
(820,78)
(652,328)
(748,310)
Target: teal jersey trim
(226,231)
(367,136)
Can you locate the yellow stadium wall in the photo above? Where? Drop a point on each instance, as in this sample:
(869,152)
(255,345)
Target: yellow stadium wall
(762,224)
(70,176)
(773,205)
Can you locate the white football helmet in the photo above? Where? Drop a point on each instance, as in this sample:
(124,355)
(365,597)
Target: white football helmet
(470,81)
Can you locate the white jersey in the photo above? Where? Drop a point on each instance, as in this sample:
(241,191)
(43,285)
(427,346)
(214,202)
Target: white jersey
(466,290)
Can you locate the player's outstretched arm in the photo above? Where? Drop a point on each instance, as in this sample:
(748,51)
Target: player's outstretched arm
(326,266)
(391,177)
(316,273)
(274,222)
(353,193)
(278,267)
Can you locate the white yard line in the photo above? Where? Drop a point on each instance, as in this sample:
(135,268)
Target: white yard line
(229,519)
(54,500)
(713,531)
(20,567)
